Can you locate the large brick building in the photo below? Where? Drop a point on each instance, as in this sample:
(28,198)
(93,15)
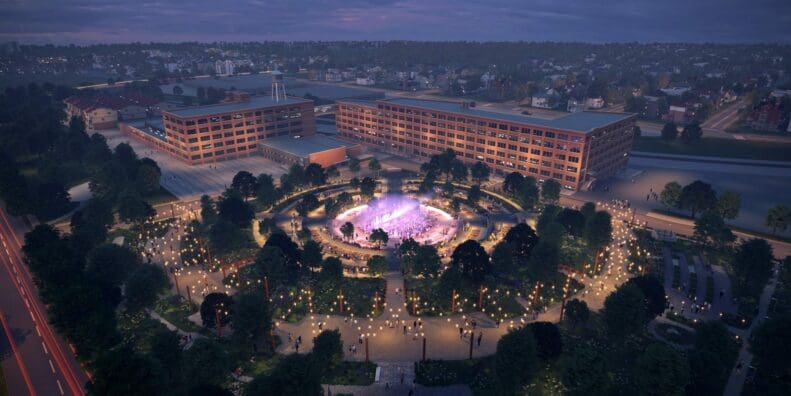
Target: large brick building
(576,149)
(213,133)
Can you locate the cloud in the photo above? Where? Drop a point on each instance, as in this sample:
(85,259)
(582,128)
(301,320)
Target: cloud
(89,21)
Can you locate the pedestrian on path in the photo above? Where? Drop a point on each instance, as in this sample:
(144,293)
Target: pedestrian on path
(461,332)
(480,336)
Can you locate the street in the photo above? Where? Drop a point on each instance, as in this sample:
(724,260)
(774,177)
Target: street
(46,357)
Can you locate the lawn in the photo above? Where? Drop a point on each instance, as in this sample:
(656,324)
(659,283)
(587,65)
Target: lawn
(478,373)
(296,302)
(350,373)
(717,147)
(675,334)
(161,196)
(176,311)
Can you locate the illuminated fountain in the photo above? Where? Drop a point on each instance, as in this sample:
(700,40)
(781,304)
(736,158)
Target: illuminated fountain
(401,217)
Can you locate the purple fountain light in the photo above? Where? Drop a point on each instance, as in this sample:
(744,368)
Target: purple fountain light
(401,217)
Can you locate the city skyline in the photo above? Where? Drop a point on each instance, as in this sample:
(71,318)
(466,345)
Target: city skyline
(103,21)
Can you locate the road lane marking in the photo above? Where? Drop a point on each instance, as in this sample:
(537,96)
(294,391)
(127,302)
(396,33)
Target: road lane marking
(60,387)
(45,348)
(51,366)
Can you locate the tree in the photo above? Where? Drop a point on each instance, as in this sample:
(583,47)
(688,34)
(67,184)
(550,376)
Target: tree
(347,229)
(522,239)
(108,266)
(752,267)
(544,261)
(166,349)
(266,192)
(207,362)
(573,221)
(289,249)
(697,197)
(586,373)
(691,133)
(669,132)
(207,211)
(332,270)
(252,318)
(548,341)
(516,359)
(654,292)
(377,265)
(479,172)
(576,312)
(598,230)
(225,237)
(328,349)
(426,261)
(588,209)
(447,189)
(132,209)
(729,204)
(778,218)
(711,358)
(245,183)
(528,193)
(307,204)
(147,179)
(458,171)
(378,236)
(503,258)
(315,174)
(354,165)
(51,200)
(214,303)
(268,226)
(177,90)
(144,286)
(513,182)
(661,371)
(232,208)
(710,229)
(625,311)
(769,344)
(374,166)
(125,372)
(295,374)
(367,187)
(471,260)
(550,191)
(474,195)
(311,254)
(671,195)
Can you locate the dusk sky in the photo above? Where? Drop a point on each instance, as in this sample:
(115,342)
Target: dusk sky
(95,21)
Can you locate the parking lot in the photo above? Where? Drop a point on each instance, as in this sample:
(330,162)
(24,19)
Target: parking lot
(189,182)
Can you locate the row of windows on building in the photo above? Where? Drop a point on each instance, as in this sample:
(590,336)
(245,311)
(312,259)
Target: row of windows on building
(268,115)
(521,163)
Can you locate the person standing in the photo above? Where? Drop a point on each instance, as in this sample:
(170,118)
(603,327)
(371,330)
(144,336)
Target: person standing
(480,336)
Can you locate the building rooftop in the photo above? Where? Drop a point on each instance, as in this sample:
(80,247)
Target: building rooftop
(153,127)
(366,103)
(585,121)
(304,145)
(255,102)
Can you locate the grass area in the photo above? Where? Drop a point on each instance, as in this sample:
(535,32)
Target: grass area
(296,302)
(675,334)
(757,234)
(176,311)
(161,196)
(350,373)
(478,373)
(717,147)
(138,329)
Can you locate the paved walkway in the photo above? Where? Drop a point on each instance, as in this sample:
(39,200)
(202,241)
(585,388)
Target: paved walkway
(739,371)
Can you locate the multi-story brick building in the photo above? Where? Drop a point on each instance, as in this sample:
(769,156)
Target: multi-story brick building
(231,130)
(575,149)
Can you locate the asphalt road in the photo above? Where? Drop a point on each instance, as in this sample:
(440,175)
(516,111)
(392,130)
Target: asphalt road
(44,356)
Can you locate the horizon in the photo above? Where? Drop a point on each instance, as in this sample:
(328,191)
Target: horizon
(89,22)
